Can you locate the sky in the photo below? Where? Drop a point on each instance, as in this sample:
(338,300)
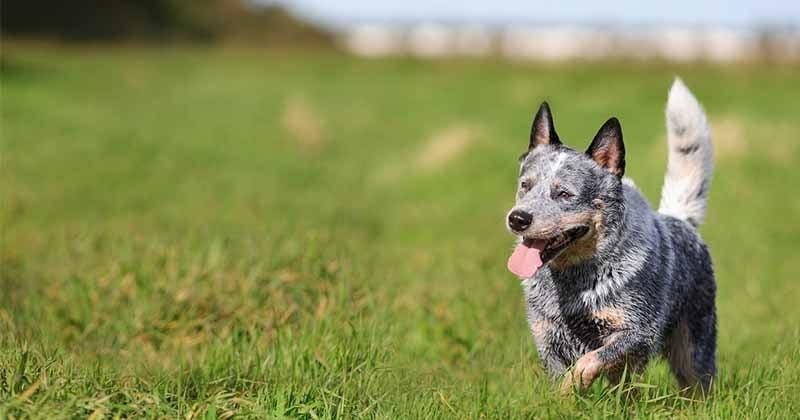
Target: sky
(688,12)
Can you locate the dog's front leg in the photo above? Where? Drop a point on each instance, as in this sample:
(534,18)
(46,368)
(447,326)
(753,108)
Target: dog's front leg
(586,370)
(621,349)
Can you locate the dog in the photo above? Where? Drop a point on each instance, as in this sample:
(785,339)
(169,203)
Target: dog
(609,283)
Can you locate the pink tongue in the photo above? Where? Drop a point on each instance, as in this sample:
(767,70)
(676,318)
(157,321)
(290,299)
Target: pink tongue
(525,260)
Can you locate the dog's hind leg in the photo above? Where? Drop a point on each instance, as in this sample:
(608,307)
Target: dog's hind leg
(679,353)
(691,350)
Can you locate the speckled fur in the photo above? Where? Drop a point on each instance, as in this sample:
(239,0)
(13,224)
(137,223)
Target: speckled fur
(639,284)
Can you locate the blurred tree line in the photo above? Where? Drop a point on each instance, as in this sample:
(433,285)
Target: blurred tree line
(158,20)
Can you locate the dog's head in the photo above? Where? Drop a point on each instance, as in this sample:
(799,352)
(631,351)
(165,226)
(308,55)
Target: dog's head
(567,201)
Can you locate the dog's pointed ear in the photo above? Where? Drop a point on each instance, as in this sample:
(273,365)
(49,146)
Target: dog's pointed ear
(607,148)
(542,130)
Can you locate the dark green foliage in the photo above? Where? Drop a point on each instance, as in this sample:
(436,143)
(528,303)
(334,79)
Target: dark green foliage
(158,20)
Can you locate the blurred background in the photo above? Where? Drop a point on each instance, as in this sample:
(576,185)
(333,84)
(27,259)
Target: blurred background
(230,208)
(515,29)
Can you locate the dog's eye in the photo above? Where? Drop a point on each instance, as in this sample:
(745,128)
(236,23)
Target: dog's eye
(564,194)
(524,185)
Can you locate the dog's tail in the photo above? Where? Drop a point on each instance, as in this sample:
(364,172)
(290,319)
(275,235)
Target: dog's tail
(690,164)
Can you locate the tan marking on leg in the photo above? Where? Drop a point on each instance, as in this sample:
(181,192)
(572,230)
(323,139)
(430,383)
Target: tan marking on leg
(587,369)
(612,316)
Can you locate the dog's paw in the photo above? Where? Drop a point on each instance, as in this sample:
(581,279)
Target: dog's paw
(580,378)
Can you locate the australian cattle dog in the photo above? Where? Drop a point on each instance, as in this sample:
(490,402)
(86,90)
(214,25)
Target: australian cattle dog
(609,283)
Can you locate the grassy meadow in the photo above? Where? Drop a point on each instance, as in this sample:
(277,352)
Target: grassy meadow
(215,233)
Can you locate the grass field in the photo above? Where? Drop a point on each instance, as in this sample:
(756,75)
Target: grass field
(211,233)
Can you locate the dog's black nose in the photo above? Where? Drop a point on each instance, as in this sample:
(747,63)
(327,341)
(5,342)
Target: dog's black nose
(519,220)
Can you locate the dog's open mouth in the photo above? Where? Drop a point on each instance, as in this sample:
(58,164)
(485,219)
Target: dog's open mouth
(532,253)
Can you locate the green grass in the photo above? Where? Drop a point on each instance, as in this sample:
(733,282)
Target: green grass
(206,233)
